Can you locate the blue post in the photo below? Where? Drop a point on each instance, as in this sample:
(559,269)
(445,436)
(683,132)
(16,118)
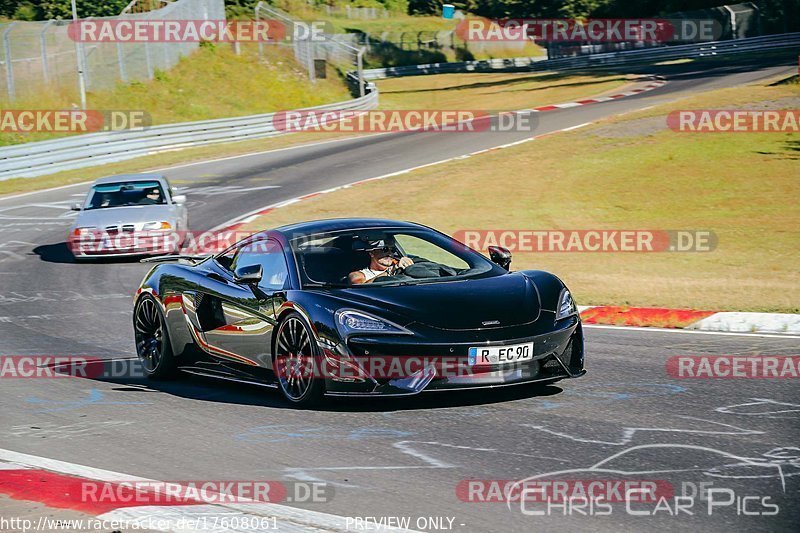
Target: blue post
(448,10)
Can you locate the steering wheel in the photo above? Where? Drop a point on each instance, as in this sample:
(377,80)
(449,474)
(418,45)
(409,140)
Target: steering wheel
(394,270)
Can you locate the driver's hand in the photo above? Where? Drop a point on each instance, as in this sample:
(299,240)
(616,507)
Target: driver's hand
(404,262)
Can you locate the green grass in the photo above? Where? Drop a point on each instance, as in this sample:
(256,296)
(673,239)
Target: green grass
(493,91)
(399,26)
(628,172)
(211,83)
(549,89)
(396,21)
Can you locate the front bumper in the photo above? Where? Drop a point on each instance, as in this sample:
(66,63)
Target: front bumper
(416,366)
(120,246)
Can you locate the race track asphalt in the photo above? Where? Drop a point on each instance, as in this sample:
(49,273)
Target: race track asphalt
(393,457)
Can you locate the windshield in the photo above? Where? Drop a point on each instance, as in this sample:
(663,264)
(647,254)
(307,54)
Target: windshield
(125,194)
(356,258)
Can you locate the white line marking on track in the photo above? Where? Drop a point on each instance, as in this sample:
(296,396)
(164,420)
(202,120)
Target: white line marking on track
(760,402)
(249,217)
(51,189)
(577,127)
(202,162)
(255,212)
(691,331)
(712,471)
(628,433)
(291,518)
(285,148)
(12,466)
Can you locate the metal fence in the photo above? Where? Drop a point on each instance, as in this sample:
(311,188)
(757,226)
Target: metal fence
(39,158)
(340,50)
(363,13)
(411,40)
(664,53)
(737,21)
(45,157)
(443,40)
(39,57)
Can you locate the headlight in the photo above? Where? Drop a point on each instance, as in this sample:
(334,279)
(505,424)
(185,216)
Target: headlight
(157,225)
(566,307)
(350,321)
(77,232)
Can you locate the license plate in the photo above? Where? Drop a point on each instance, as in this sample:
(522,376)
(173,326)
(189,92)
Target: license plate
(500,355)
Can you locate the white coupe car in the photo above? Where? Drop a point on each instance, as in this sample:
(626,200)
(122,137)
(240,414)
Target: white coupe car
(129,214)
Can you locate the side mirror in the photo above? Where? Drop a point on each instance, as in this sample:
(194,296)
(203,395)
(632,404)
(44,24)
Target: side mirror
(75,207)
(248,275)
(179,199)
(500,256)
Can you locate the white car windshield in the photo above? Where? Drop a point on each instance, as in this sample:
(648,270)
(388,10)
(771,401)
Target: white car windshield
(125,194)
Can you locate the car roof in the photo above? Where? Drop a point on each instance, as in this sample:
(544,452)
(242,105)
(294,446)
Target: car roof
(337,224)
(131,177)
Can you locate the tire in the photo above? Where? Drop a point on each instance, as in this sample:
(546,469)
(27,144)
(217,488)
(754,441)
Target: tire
(153,347)
(296,359)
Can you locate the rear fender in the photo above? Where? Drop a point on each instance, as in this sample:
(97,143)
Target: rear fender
(164,283)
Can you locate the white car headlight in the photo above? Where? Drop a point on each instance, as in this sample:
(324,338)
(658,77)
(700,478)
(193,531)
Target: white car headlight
(157,225)
(566,306)
(350,321)
(77,232)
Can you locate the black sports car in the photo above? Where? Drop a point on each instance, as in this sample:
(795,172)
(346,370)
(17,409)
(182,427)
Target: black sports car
(357,307)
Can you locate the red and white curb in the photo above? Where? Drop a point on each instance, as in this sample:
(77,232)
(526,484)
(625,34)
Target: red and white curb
(742,322)
(48,481)
(657,81)
(728,322)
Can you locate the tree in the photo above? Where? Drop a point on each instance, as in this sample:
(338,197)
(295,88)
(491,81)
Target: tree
(779,16)
(27,11)
(62,9)
(8,7)
(425,7)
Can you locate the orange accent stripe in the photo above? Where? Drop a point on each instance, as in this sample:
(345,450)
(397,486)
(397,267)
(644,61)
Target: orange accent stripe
(219,351)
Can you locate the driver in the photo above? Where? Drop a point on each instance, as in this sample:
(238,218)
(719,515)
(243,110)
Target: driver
(382,262)
(153,196)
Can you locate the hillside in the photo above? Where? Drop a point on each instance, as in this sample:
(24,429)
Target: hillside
(212,82)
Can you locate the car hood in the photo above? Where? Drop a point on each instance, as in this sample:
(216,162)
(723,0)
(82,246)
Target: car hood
(498,301)
(108,216)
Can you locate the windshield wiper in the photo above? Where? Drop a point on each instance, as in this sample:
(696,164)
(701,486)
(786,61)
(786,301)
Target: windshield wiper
(419,281)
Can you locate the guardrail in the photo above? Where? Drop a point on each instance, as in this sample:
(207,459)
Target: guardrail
(485,65)
(663,53)
(44,157)
(684,51)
